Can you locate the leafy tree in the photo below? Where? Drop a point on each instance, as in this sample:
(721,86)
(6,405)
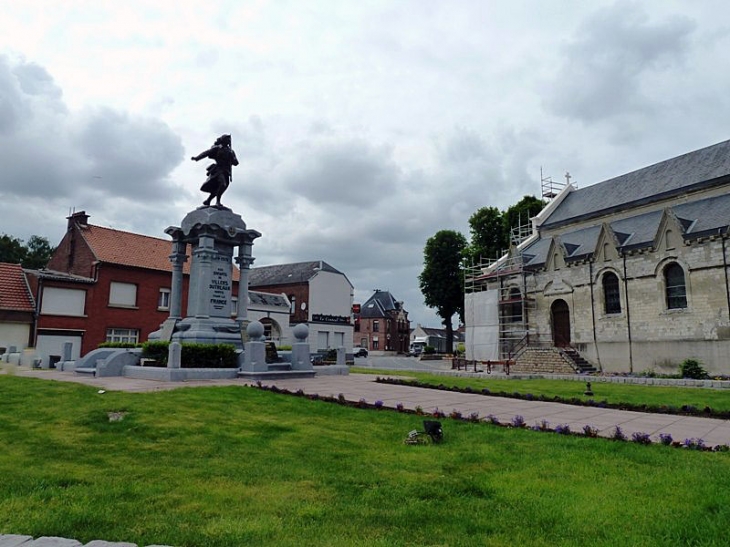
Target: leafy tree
(12,250)
(38,253)
(522,211)
(35,254)
(488,234)
(491,229)
(441,281)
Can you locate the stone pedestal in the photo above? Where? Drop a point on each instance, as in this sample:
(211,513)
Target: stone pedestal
(212,233)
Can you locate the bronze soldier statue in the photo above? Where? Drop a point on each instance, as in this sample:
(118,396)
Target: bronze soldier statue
(219,173)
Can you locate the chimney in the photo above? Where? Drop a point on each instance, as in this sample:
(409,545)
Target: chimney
(80,219)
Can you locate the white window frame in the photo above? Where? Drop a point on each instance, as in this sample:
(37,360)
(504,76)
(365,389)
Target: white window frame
(163,300)
(123,336)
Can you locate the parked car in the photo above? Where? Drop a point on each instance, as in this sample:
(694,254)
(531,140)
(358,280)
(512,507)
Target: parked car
(360,352)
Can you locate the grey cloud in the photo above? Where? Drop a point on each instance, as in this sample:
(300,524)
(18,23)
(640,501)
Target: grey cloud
(47,150)
(128,156)
(605,65)
(342,173)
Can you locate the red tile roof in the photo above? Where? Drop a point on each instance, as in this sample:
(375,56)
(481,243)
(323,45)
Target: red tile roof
(128,249)
(14,292)
(135,250)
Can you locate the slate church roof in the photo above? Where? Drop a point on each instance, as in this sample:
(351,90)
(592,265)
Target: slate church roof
(703,168)
(673,177)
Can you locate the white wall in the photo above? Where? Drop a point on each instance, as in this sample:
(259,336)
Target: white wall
(14,334)
(330,294)
(482,325)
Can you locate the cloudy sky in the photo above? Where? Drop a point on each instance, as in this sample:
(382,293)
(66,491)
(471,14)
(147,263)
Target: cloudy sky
(363,128)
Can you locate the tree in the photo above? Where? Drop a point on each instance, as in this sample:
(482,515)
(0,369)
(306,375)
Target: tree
(522,211)
(12,250)
(488,234)
(38,253)
(442,281)
(35,254)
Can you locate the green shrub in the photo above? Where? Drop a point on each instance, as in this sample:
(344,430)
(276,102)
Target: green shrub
(691,368)
(429,350)
(209,356)
(156,350)
(194,355)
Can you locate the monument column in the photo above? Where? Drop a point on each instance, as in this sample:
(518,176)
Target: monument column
(244,261)
(178,259)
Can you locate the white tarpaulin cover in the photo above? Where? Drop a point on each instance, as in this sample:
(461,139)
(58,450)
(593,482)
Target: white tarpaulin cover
(481,316)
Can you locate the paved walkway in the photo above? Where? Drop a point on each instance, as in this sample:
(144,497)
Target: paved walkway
(10,540)
(363,386)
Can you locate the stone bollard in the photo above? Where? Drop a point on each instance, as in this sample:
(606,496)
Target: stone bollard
(300,355)
(254,359)
(174,355)
(67,351)
(341,357)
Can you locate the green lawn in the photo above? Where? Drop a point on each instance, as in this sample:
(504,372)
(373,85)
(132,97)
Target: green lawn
(239,466)
(717,399)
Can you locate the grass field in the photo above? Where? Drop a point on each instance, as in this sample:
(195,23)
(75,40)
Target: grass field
(717,399)
(239,466)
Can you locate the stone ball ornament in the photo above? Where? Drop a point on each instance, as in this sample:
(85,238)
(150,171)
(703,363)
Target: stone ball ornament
(301,332)
(255,330)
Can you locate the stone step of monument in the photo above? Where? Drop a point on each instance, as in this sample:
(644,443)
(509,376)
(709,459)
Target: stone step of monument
(85,370)
(276,374)
(279,366)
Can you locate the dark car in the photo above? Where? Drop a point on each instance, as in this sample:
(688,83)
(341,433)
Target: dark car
(360,352)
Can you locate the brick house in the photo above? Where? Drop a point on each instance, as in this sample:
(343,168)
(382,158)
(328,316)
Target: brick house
(105,285)
(320,296)
(630,274)
(17,308)
(382,325)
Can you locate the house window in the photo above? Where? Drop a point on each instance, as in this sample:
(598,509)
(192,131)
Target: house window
(293,300)
(363,342)
(376,326)
(163,301)
(676,290)
(125,336)
(123,294)
(234,306)
(58,301)
(376,343)
(611,294)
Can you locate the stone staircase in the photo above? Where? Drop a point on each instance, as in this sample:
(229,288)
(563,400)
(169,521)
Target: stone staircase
(581,365)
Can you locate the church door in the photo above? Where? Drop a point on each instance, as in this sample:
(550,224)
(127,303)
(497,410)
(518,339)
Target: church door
(561,323)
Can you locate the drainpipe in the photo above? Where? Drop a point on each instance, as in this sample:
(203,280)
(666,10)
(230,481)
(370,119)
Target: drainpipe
(727,287)
(628,317)
(593,315)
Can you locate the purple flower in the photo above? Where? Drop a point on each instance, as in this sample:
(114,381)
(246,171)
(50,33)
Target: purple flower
(492,419)
(562,429)
(640,438)
(518,421)
(618,434)
(665,439)
(590,431)
(399,407)
(378,404)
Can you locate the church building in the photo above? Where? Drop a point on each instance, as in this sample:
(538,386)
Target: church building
(627,275)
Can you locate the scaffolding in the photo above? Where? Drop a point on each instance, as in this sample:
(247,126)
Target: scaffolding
(550,187)
(499,309)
